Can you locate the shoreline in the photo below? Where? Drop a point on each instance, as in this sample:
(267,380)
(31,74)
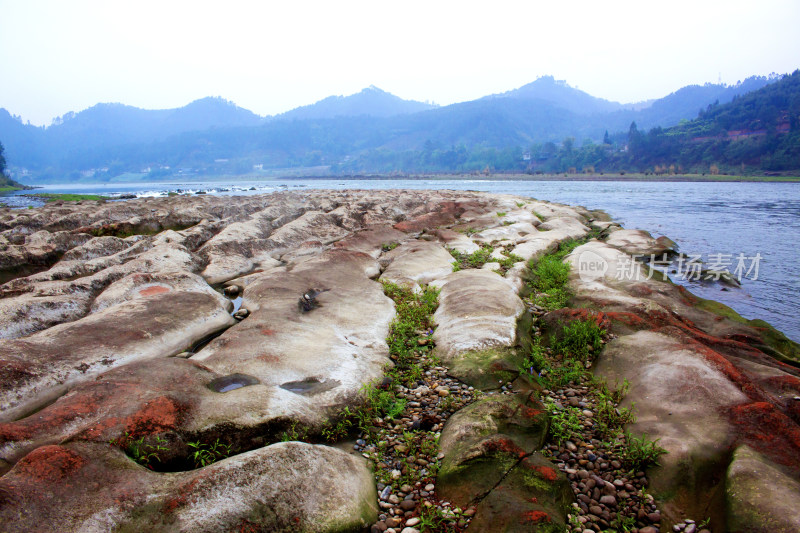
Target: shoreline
(611,177)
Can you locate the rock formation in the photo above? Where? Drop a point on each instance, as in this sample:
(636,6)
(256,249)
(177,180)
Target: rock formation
(131,399)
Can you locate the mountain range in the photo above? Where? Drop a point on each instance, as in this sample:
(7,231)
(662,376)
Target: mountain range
(213,135)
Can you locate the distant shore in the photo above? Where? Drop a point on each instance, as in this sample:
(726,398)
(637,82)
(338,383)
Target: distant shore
(562,177)
(624,177)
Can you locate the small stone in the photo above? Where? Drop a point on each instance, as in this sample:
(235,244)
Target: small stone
(691,528)
(393,522)
(429,487)
(408,505)
(394,500)
(231,290)
(409,530)
(608,500)
(654,517)
(378,527)
(648,529)
(406,488)
(444,392)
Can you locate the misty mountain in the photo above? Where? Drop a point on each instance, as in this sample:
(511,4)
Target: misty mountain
(561,95)
(213,135)
(685,103)
(370,101)
(114,124)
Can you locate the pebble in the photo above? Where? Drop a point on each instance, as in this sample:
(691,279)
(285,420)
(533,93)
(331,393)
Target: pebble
(412,521)
(410,530)
(408,505)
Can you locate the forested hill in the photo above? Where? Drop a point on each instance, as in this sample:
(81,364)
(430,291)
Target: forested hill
(760,129)
(755,132)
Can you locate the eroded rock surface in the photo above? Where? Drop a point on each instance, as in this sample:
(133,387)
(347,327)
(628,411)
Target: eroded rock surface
(112,341)
(114,330)
(258,490)
(703,384)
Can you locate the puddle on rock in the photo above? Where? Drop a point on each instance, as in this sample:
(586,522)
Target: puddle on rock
(310,386)
(237,304)
(232,382)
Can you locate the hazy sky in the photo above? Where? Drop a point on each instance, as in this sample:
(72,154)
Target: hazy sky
(59,56)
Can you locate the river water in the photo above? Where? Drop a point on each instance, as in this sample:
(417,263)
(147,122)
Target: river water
(751,226)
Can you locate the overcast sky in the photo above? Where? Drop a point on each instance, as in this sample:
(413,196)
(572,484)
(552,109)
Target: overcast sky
(59,56)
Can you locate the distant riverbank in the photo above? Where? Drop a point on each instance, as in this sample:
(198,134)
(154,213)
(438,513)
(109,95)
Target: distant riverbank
(652,178)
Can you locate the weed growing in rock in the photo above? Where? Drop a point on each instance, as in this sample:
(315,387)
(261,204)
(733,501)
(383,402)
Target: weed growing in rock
(141,451)
(476,259)
(561,375)
(501,214)
(536,362)
(431,519)
(624,524)
(610,419)
(389,246)
(206,454)
(641,452)
(294,433)
(383,403)
(549,278)
(565,422)
(579,340)
(520,204)
(509,261)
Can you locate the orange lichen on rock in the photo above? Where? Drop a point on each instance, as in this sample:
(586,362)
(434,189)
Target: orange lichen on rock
(535,517)
(770,432)
(49,464)
(158,415)
(504,445)
(545,472)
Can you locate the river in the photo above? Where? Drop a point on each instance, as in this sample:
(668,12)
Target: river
(754,226)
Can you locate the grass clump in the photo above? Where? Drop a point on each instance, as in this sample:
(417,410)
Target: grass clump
(413,323)
(476,259)
(144,453)
(565,422)
(549,276)
(579,340)
(640,453)
(609,418)
(206,454)
(509,260)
